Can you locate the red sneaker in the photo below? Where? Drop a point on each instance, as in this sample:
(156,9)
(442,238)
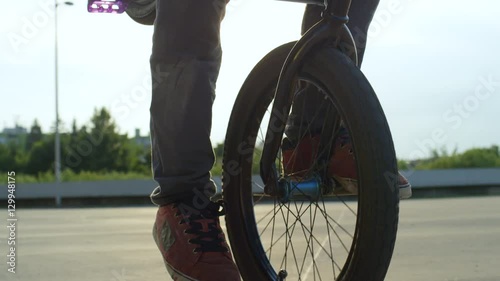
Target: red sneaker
(297,160)
(192,243)
(343,167)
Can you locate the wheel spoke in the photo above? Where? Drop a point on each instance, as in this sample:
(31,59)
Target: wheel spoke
(271,220)
(332,227)
(329,237)
(314,237)
(288,227)
(308,241)
(289,241)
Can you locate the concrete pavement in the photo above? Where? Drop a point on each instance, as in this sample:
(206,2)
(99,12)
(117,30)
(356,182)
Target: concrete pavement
(438,239)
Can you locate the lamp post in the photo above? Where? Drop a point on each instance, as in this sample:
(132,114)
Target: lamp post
(57,135)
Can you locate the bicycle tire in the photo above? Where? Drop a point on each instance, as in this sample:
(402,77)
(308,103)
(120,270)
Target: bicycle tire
(378,207)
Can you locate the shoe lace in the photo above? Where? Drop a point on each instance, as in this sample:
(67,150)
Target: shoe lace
(208,241)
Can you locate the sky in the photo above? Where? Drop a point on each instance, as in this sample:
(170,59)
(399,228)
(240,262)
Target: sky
(434,65)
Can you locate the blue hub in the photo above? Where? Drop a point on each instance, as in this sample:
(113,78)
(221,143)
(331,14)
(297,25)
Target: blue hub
(304,190)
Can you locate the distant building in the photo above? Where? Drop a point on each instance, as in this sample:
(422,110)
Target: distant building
(17,130)
(141,140)
(16,134)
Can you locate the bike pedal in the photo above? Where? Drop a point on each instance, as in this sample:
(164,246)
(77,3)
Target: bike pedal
(109,6)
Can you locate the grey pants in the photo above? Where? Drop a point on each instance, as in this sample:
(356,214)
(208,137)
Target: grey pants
(185,64)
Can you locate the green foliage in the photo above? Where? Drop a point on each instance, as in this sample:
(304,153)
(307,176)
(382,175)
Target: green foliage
(472,158)
(217,169)
(12,157)
(41,156)
(218,151)
(97,151)
(101,148)
(34,135)
(98,148)
(403,165)
(4,156)
(70,176)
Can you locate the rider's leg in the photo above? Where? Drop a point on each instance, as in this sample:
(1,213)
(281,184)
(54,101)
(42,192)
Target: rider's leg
(185,63)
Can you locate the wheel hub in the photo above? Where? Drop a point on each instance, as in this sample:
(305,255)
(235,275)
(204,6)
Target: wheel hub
(290,189)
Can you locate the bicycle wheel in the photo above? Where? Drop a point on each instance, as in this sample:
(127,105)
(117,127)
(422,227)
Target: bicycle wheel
(327,237)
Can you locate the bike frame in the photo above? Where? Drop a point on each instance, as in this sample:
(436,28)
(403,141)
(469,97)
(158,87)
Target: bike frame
(331,29)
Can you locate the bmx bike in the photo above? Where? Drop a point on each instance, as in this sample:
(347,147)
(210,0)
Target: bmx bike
(305,226)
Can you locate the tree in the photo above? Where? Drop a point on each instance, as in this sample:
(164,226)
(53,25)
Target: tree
(17,157)
(34,135)
(101,147)
(472,158)
(74,130)
(219,150)
(4,158)
(41,156)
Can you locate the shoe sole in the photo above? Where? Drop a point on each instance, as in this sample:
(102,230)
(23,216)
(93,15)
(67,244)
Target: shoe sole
(177,275)
(405,191)
(347,184)
(351,186)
